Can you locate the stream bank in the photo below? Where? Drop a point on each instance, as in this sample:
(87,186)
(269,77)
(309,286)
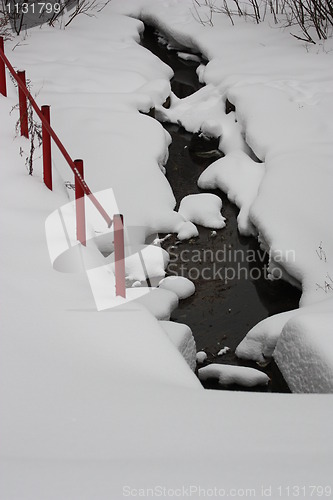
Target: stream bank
(224,308)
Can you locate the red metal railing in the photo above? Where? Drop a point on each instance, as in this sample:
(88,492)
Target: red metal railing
(81,187)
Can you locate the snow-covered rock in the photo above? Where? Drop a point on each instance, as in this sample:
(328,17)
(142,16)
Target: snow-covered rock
(239,176)
(181,286)
(229,374)
(204,111)
(203,209)
(145,261)
(223,351)
(201,357)
(187,230)
(260,341)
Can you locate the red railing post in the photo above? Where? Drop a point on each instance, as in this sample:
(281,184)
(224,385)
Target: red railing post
(3,89)
(79,204)
(119,254)
(47,160)
(23,106)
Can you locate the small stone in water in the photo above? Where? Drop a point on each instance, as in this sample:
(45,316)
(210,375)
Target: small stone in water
(263,364)
(222,351)
(201,356)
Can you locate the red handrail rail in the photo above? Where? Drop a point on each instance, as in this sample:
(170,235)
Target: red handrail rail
(56,139)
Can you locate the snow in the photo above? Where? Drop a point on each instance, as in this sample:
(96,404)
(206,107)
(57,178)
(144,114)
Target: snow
(192,111)
(187,230)
(201,357)
(298,248)
(204,111)
(160,303)
(144,261)
(203,209)
(93,401)
(312,369)
(181,336)
(240,177)
(188,57)
(60,227)
(282,90)
(138,81)
(260,342)
(223,351)
(181,286)
(229,374)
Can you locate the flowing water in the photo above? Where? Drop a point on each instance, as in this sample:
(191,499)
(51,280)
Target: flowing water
(222,310)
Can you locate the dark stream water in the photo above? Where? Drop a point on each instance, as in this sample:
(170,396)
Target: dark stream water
(222,310)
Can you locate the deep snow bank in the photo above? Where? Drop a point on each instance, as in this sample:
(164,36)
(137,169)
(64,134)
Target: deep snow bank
(311,370)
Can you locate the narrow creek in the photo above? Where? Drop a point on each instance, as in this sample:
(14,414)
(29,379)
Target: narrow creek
(221,311)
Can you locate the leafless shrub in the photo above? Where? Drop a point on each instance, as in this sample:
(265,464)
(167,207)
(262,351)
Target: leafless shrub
(313,17)
(34,129)
(204,18)
(5,30)
(10,20)
(85,7)
(327,285)
(13,20)
(78,7)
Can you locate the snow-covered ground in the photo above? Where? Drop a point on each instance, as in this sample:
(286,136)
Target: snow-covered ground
(95,405)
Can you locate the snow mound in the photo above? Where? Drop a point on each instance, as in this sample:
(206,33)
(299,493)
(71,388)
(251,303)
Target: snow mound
(157,90)
(228,374)
(260,341)
(304,353)
(204,111)
(181,336)
(201,357)
(144,261)
(160,303)
(180,285)
(192,111)
(240,177)
(203,209)
(187,230)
